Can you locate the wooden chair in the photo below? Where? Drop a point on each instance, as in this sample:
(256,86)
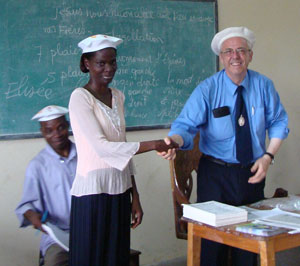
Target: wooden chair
(182,184)
(134,257)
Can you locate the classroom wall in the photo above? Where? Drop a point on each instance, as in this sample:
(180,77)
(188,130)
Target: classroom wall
(276,54)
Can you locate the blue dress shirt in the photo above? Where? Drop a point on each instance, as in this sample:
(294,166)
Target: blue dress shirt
(217,134)
(47,186)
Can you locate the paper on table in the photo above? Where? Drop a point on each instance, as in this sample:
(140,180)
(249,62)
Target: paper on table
(59,236)
(283,220)
(260,229)
(277,217)
(254,214)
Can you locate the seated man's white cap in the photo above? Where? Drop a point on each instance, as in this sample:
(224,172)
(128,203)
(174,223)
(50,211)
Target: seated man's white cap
(49,113)
(225,34)
(99,42)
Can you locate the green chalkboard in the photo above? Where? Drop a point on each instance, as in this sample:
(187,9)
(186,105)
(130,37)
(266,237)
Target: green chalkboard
(165,54)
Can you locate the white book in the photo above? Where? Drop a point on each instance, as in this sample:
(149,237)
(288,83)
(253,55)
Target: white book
(59,236)
(214,213)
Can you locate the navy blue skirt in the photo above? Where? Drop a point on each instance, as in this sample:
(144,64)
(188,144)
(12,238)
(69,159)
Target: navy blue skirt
(100,230)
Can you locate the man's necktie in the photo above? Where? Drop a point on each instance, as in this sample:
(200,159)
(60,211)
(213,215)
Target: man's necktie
(244,153)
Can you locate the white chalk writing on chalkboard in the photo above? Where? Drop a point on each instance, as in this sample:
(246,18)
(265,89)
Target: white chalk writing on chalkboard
(157,67)
(23,88)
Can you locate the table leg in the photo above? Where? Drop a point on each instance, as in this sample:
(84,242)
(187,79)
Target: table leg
(194,247)
(267,253)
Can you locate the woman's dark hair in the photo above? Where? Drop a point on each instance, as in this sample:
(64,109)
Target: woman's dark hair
(88,56)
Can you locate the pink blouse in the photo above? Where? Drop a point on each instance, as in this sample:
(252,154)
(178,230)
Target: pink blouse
(104,157)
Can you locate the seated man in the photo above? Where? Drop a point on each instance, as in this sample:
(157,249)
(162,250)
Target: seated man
(49,177)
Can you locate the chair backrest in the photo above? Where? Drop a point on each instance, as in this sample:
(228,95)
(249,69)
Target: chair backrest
(182,183)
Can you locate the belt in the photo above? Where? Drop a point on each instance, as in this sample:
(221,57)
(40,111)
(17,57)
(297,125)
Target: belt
(220,162)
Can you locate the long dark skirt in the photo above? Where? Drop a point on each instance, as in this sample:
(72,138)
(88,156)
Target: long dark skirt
(100,230)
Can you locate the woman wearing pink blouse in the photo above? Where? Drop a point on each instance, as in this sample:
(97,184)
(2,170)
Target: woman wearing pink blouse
(104,194)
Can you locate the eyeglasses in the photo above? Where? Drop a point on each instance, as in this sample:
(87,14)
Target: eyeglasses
(240,51)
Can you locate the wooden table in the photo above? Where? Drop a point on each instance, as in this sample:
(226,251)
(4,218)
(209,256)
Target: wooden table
(266,247)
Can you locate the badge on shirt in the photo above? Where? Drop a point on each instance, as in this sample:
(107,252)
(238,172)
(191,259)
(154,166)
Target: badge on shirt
(221,111)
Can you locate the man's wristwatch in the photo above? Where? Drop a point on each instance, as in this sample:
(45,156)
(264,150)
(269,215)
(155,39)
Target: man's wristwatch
(271,156)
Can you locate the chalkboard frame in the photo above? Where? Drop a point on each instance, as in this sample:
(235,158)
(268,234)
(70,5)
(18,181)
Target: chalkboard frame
(34,135)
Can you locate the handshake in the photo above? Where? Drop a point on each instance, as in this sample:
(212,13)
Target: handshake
(165,145)
(166,148)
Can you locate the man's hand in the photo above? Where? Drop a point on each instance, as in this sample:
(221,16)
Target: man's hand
(169,154)
(34,218)
(136,211)
(260,168)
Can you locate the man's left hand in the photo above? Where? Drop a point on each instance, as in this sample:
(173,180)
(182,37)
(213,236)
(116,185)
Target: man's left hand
(260,168)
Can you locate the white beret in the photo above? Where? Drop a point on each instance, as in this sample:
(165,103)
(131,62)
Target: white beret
(99,42)
(225,34)
(49,113)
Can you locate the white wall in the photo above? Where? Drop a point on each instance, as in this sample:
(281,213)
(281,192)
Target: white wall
(276,54)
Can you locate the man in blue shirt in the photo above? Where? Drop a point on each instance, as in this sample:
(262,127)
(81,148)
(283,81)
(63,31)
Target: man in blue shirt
(211,110)
(49,177)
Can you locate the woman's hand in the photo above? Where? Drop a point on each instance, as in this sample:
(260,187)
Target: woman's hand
(136,211)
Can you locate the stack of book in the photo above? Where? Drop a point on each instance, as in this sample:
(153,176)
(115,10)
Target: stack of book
(214,213)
